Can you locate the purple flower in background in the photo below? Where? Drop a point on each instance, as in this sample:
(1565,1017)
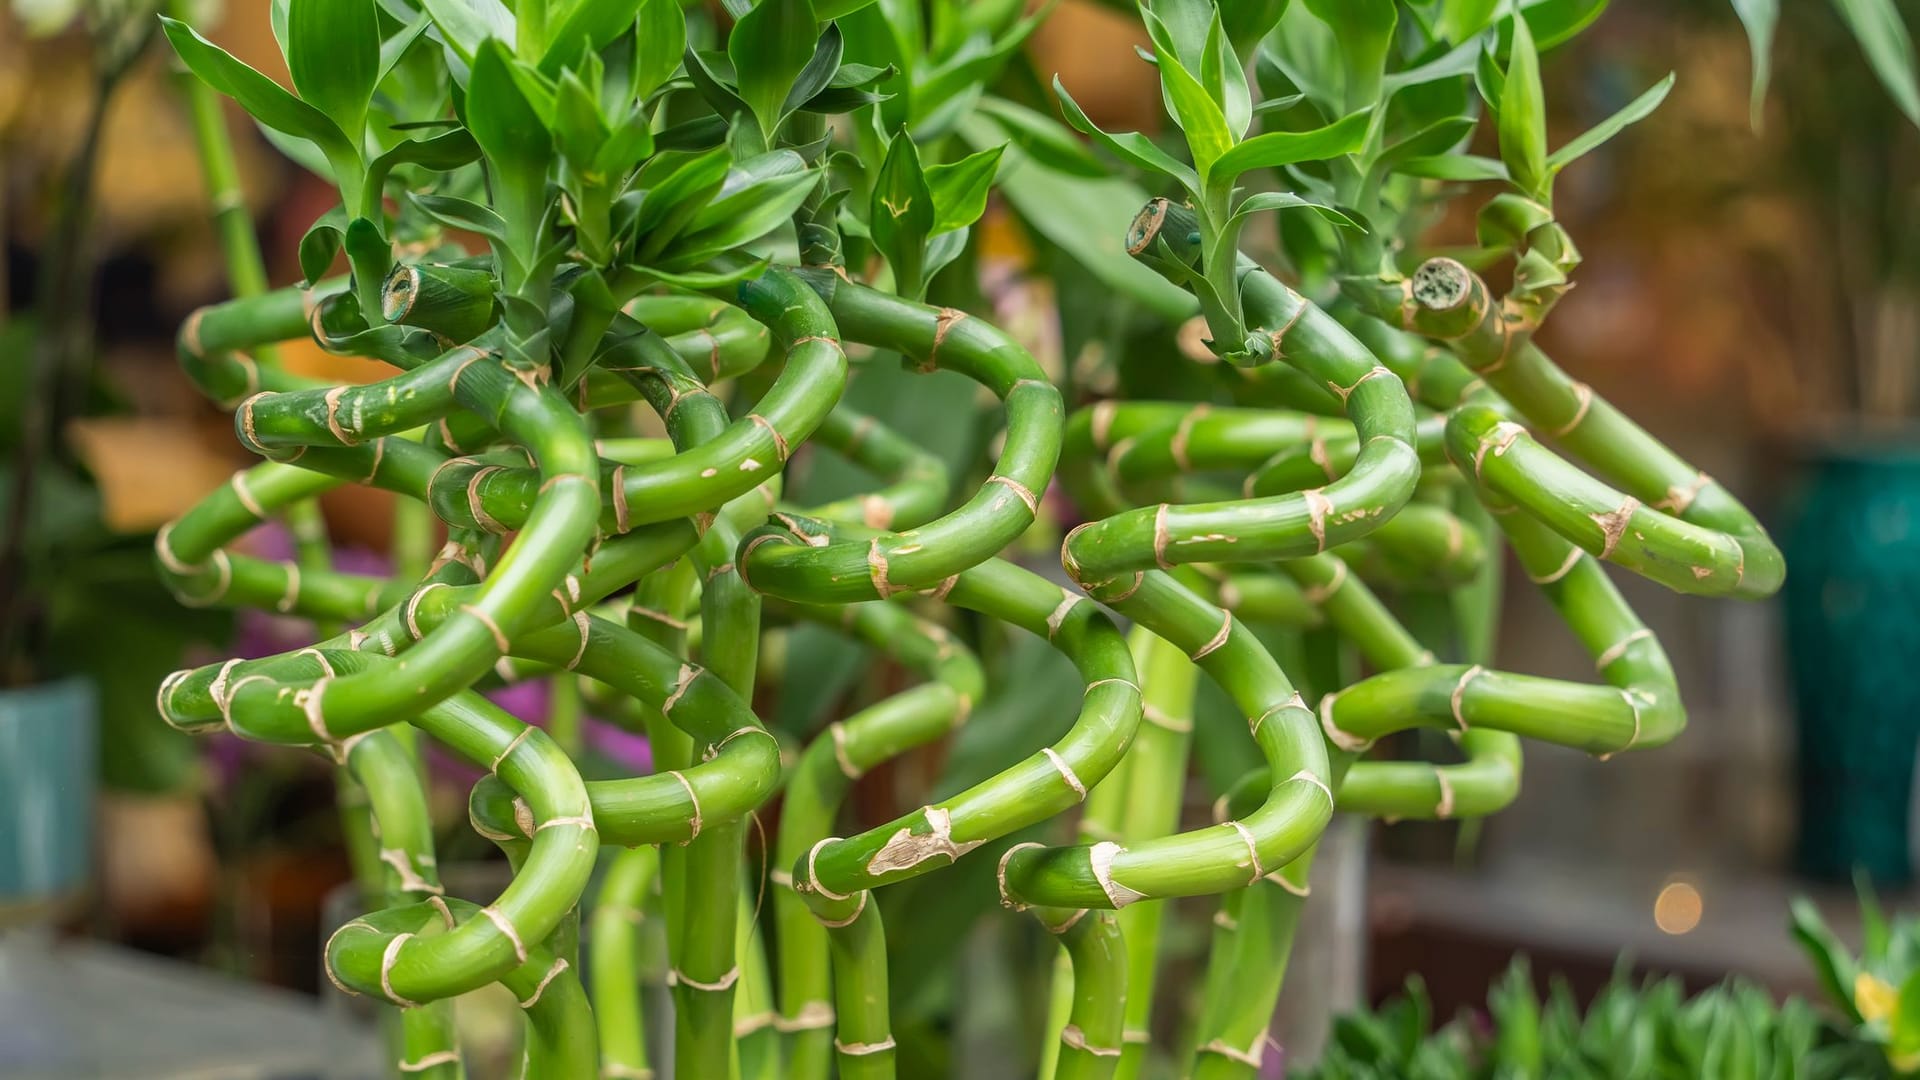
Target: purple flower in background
(629,749)
(1273,1064)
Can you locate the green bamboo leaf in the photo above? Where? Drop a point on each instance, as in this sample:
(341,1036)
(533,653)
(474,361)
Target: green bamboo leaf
(749,183)
(960,188)
(1198,115)
(629,143)
(301,152)
(587,27)
(700,279)
(1556,21)
(660,37)
(1129,146)
(538,90)
(1278,104)
(1490,81)
(464,24)
(505,124)
(1179,28)
(1883,37)
(838,101)
(819,72)
(770,46)
(261,97)
(1286,200)
(678,184)
(1191,32)
(333,53)
(1451,64)
(945,90)
(1043,139)
(1523,116)
(771,207)
(764,207)
(860,75)
(1636,110)
(1226,78)
(1363,30)
(321,244)
(901,213)
(1461,20)
(1759,17)
(277,22)
(1279,148)
(851,87)
(371,257)
(1458,167)
(1247,21)
(463,214)
(1301,56)
(441,153)
(578,127)
(394,48)
(1434,140)
(712,75)
(943,249)
(886,35)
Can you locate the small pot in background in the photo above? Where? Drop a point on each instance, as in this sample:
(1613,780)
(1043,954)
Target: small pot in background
(48,764)
(1853,642)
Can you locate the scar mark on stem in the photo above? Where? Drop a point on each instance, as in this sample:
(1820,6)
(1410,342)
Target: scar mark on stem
(1100,860)
(1219,637)
(1345,392)
(1613,524)
(1499,440)
(1457,698)
(1333,731)
(780,449)
(693,825)
(1619,648)
(1320,593)
(500,642)
(1583,394)
(1574,555)
(1318,507)
(1021,490)
(1679,497)
(1066,773)
(1182,434)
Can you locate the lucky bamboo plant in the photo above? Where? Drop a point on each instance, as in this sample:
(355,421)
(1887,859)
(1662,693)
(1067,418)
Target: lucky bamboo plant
(551,213)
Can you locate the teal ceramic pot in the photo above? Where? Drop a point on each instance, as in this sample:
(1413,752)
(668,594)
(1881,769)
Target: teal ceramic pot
(48,761)
(1853,638)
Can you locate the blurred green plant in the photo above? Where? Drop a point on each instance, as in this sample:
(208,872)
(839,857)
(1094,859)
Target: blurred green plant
(1649,1029)
(1877,992)
(77,596)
